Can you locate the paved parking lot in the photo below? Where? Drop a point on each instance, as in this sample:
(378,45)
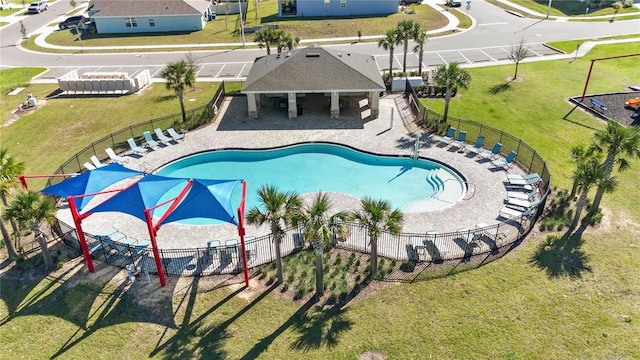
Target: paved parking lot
(240,70)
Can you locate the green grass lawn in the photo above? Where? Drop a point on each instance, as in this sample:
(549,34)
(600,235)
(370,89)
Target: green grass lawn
(553,297)
(225,29)
(68,124)
(570,45)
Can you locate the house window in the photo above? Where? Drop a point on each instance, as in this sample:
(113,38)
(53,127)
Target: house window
(152,22)
(343,3)
(130,22)
(327,3)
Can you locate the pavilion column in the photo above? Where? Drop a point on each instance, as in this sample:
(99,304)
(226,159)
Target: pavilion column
(335,104)
(251,104)
(375,104)
(293,110)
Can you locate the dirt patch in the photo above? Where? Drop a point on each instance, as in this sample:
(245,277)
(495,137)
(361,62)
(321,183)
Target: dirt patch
(371,355)
(517,80)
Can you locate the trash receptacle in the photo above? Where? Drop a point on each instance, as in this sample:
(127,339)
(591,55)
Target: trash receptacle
(212,16)
(299,108)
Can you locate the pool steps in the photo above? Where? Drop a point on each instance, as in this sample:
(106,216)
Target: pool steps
(436,183)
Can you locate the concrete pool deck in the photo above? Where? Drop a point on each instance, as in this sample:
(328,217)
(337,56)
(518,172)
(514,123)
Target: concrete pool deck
(232,129)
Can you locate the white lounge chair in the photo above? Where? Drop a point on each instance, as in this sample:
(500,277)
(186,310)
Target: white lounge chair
(135,148)
(493,153)
(529,179)
(89,166)
(459,143)
(523,195)
(523,203)
(449,136)
(115,157)
(509,213)
(175,135)
(162,137)
(96,162)
(468,236)
(437,242)
(508,162)
(149,139)
(475,149)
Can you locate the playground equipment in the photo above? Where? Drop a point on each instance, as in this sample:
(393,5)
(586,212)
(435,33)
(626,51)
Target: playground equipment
(633,102)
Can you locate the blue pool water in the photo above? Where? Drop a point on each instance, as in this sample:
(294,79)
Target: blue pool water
(309,168)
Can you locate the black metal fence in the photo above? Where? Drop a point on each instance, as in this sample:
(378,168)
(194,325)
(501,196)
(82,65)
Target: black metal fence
(421,255)
(527,157)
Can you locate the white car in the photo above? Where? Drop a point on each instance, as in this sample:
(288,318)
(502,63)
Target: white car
(37,7)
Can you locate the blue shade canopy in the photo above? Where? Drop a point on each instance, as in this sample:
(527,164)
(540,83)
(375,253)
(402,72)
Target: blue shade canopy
(210,199)
(142,195)
(90,182)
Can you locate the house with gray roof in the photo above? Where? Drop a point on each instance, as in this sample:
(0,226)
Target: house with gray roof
(135,16)
(335,74)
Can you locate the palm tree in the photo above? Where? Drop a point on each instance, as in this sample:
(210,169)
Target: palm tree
(178,76)
(420,37)
(10,169)
(588,174)
(320,229)
(266,37)
(286,41)
(580,153)
(405,30)
(451,77)
(389,42)
(30,208)
(280,210)
(377,216)
(616,141)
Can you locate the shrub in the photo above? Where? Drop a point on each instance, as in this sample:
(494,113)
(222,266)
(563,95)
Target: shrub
(407,266)
(594,219)
(627,3)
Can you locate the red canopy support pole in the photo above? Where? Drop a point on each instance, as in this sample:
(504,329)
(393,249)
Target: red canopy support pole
(156,253)
(23,180)
(241,233)
(243,249)
(588,77)
(81,238)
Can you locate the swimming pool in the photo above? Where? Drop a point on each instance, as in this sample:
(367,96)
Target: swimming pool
(407,184)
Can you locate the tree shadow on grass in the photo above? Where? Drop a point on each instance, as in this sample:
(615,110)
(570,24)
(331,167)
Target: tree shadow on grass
(210,338)
(101,300)
(19,292)
(320,327)
(500,88)
(562,255)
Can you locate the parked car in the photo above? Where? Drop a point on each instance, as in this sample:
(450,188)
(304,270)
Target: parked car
(37,7)
(407,2)
(454,3)
(73,21)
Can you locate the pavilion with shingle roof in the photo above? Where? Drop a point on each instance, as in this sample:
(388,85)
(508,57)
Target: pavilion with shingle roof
(313,70)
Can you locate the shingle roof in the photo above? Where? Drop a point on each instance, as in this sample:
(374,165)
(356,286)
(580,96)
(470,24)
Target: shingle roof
(110,8)
(314,69)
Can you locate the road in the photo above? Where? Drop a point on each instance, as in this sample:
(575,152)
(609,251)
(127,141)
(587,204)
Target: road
(494,33)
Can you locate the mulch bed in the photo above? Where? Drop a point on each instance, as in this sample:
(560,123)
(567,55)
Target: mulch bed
(616,110)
